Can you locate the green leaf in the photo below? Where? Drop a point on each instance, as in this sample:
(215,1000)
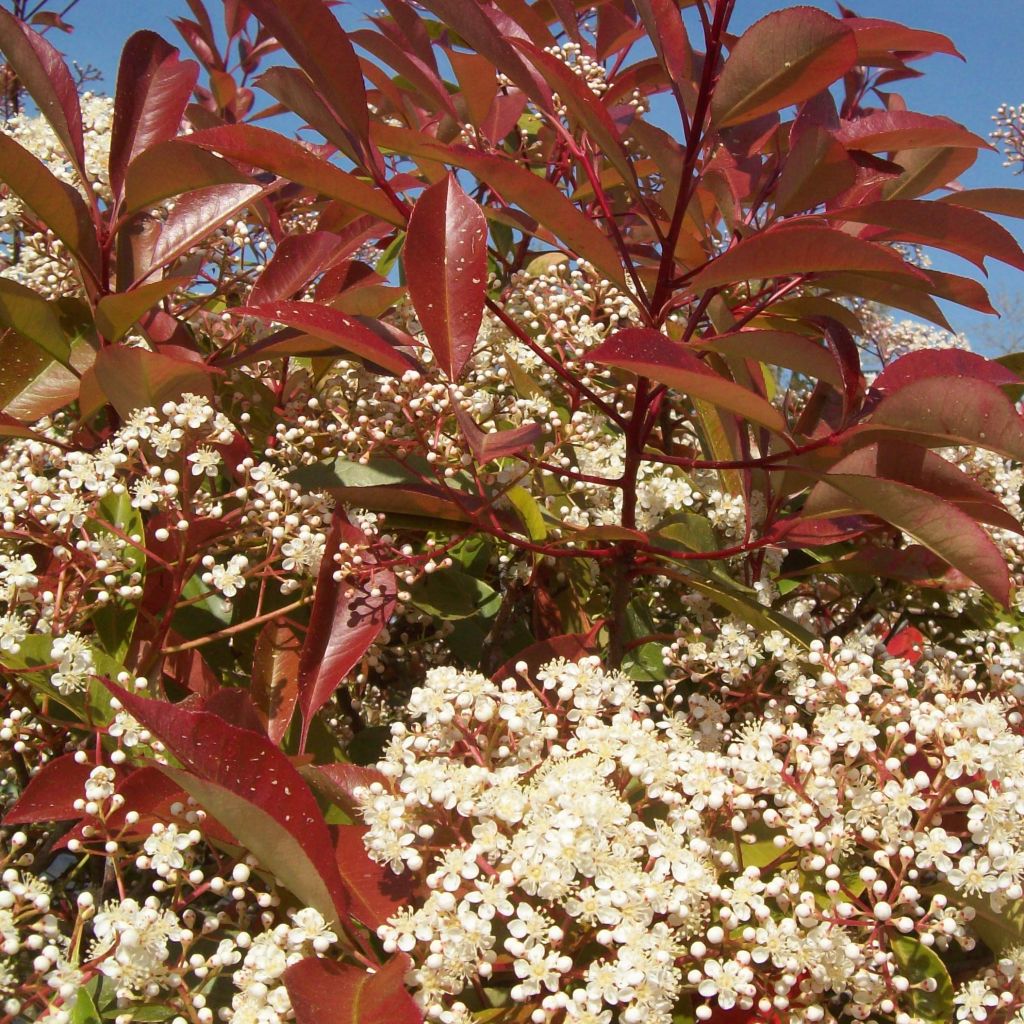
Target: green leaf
(115,621)
(84,1010)
(115,314)
(918,964)
(785,58)
(24,311)
(452,594)
(529,512)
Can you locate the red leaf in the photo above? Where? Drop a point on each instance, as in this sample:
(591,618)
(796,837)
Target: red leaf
(847,357)
(1009,202)
(667,34)
(195,217)
(887,130)
(571,646)
(908,644)
(951,410)
(883,43)
(324,992)
(296,261)
(786,57)
(648,353)
(333,327)
(476,24)
(942,362)
(51,793)
(134,378)
(153,89)
(800,249)
(939,525)
(486,446)
(967,233)
(275,676)
(40,70)
(235,772)
(260,147)
(816,170)
(310,32)
(377,892)
(445,262)
(345,619)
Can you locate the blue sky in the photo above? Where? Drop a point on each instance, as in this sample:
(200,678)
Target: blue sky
(988,32)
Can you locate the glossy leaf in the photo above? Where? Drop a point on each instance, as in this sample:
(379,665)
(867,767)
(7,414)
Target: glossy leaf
(153,89)
(134,378)
(496,444)
(966,232)
(324,992)
(251,788)
(445,261)
(921,965)
(785,58)
(30,315)
(196,216)
(310,32)
(878,39)
(950,410)
(942,362)
(887,130)
(116,313)
(800,249)
(1006,201)
(937,524)
(296,261)
(42,72)
(260,147)
(650,354)
(275,676)
(55,204)
(51,793)
(793,351)
(332,327)
(347,616)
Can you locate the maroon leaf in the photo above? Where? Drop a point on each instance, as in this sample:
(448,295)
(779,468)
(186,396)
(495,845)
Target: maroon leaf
(310,32)
(786,57)
(324,992)
(346,618)
(942,362)
(888,130)
(297,260)
(966,232)
(51,793)
(648,353)
(252,789)
(338,782)
(847,357)
(259,147)
(801,249)
(496,444)
(571,646)
(39,68)
(445,262)
(153,89)
(332,327)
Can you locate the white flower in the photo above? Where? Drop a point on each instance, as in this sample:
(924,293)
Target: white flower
(165,848)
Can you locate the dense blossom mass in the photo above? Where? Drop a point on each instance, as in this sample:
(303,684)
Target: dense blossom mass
(528,547)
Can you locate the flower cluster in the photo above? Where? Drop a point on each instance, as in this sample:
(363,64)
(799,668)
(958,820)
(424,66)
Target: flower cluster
(599,858)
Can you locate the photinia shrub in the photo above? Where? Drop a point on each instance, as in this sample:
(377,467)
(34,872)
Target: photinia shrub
(477,544)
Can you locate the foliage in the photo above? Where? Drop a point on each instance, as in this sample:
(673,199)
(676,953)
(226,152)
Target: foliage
(492,554)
